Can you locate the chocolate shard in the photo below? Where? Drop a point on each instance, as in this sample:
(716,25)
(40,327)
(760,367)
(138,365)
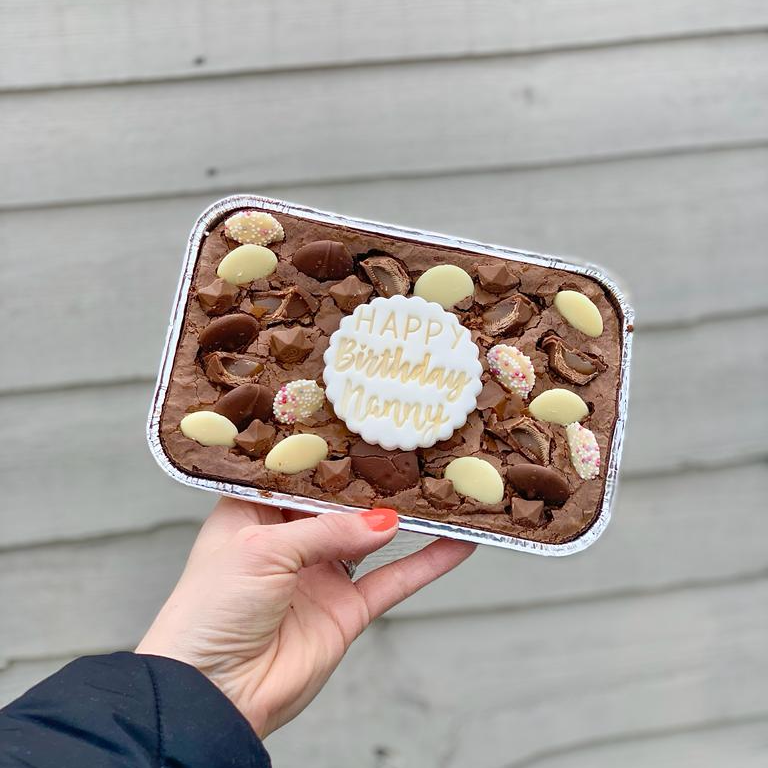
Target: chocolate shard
(296,302)
(333,475)
(504,404)
(324,260)
(245,403)
(525,437)
(568,363)
(387,471)
(257,439)
(350,293)
(534,482)
(218,297)
(497,278)
(290,345)
(439,492)
(230,333)
(387,275)
(528,513)
(509,315)
(265,304)
(231,369)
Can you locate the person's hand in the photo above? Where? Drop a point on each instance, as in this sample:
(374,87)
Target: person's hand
(265,609)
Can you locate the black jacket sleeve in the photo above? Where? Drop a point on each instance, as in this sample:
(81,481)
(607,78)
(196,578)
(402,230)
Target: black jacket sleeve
(131,711)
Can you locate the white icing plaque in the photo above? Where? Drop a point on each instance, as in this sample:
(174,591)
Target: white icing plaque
(402,373)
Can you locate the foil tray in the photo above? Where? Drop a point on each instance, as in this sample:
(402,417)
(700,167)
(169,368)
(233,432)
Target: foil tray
(219,210)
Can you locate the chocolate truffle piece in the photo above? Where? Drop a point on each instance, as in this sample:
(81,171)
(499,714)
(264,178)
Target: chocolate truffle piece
(528,513)
(231,369)
(534,482)
(245,403)
(509,315)
(230,333)
(334,475)
(439,492)
(324,260)
(524,435)
(350,293)
(388,275)
(257,439)
(290,345)
(218,297)
(570,364)
(497,278)
(388,471)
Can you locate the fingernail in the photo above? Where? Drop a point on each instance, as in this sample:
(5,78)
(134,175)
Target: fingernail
(380,519)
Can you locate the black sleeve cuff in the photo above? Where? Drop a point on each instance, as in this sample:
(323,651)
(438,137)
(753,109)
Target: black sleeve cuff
(129,710)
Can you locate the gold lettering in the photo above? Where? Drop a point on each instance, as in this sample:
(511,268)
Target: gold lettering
(390,325)
(359,319)
(430,332)
(412,324)
(345,356)
(458,331)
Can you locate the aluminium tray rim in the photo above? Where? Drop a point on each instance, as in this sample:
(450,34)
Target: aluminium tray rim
(213,214)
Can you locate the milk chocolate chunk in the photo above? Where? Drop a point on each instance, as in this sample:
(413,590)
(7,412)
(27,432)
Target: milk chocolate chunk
(257,439)
(324,260)
(497,278)
(350,293)
(231,369)
(218,297)
(534,482)
(439,492)
(230,333)
(294,303)
(509,315)
(290,345)
(387,471)
(528,513)
(526,438)
(245,403)
(264,304)
(334,475)
(570,364)
(388,275)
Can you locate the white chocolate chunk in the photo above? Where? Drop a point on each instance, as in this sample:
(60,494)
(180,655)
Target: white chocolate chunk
(445,284)
(247,263)
(209,428)
(296,453)
(476,478)
(580,312)
(560,406)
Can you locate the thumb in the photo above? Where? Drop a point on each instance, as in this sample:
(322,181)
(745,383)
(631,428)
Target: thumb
(322,539)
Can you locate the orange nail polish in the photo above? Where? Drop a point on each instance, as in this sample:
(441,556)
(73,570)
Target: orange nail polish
(380,519)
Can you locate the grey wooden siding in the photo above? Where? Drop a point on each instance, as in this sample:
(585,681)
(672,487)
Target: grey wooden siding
(630,134)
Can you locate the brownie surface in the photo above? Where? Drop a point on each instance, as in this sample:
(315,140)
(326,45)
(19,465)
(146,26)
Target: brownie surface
(486,432)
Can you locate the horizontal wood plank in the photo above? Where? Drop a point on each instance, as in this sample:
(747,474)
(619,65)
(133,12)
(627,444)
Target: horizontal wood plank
(508,689)
(137,140)
(712,745)
(667,531)
(686,236)
(44,43)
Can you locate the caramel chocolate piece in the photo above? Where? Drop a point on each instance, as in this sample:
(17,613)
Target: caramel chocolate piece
(570,364)
(497,278)
(526,438)
(324,260)
(265,303)
(231,369)
(257,439)
(245,403)
(528,513)
(439,492)
(218,297)
(509,315)
(350,293)
(388,275)
(333,475)
(387,471)
(290,345)
(291,304)
(534,482)
(230,333)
